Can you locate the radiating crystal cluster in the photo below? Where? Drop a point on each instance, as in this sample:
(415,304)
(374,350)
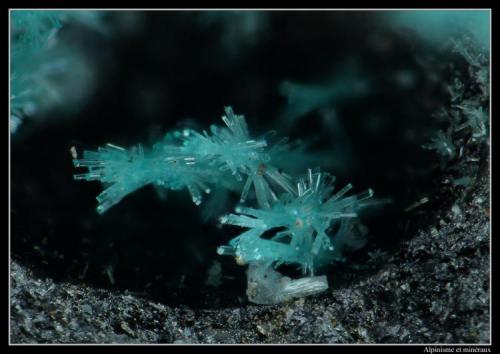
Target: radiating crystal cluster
(310,226)
(191,160)
(442,143)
